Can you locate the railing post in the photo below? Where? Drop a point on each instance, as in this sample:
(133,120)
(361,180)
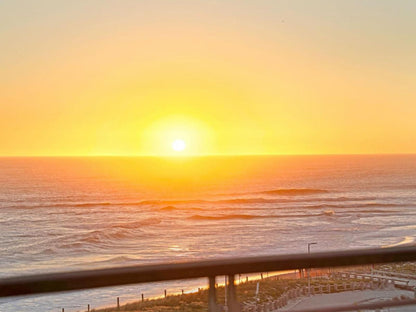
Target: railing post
(212,297)
(232,303)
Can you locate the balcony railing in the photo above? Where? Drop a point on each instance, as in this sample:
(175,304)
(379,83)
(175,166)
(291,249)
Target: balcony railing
(78,280)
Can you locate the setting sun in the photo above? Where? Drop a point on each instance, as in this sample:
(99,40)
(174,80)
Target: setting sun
(178,145)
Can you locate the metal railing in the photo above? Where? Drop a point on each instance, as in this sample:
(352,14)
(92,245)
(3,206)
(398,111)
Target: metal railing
(78,280)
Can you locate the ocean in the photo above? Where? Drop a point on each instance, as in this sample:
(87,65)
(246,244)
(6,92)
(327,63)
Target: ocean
(62,214)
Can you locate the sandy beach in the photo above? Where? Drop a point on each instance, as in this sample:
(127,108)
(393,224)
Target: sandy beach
(348,298)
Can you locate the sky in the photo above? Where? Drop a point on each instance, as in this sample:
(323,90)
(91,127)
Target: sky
(95,77)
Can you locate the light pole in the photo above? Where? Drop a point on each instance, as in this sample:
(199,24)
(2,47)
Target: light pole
(309,269)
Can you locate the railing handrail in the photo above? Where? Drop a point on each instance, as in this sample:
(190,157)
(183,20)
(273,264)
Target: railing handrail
(77,280)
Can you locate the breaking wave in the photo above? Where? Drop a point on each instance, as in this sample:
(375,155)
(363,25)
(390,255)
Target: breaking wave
(104,236)
(118,260)
(372,211)
(225,217)
(294,192)
(137,224)
(346,205)
(249,216)
(321,202)
(173,208)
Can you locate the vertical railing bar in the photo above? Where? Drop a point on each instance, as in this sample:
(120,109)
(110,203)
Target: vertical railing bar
(212,296)
(233,305)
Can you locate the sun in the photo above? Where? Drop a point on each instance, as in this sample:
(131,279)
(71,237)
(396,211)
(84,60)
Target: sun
(178,145)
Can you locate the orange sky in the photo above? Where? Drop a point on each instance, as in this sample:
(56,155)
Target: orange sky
(227,77)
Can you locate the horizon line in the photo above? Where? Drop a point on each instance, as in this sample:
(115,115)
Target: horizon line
(201,155)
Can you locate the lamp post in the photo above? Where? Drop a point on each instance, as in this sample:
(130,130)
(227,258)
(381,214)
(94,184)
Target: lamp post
(309,269)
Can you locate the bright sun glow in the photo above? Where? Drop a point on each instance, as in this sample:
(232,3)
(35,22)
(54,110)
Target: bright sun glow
(178,145)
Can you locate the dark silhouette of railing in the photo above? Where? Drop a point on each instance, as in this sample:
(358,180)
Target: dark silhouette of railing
(78,280)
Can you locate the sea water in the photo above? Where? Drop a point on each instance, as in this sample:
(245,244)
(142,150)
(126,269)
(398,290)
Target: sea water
(63,214)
